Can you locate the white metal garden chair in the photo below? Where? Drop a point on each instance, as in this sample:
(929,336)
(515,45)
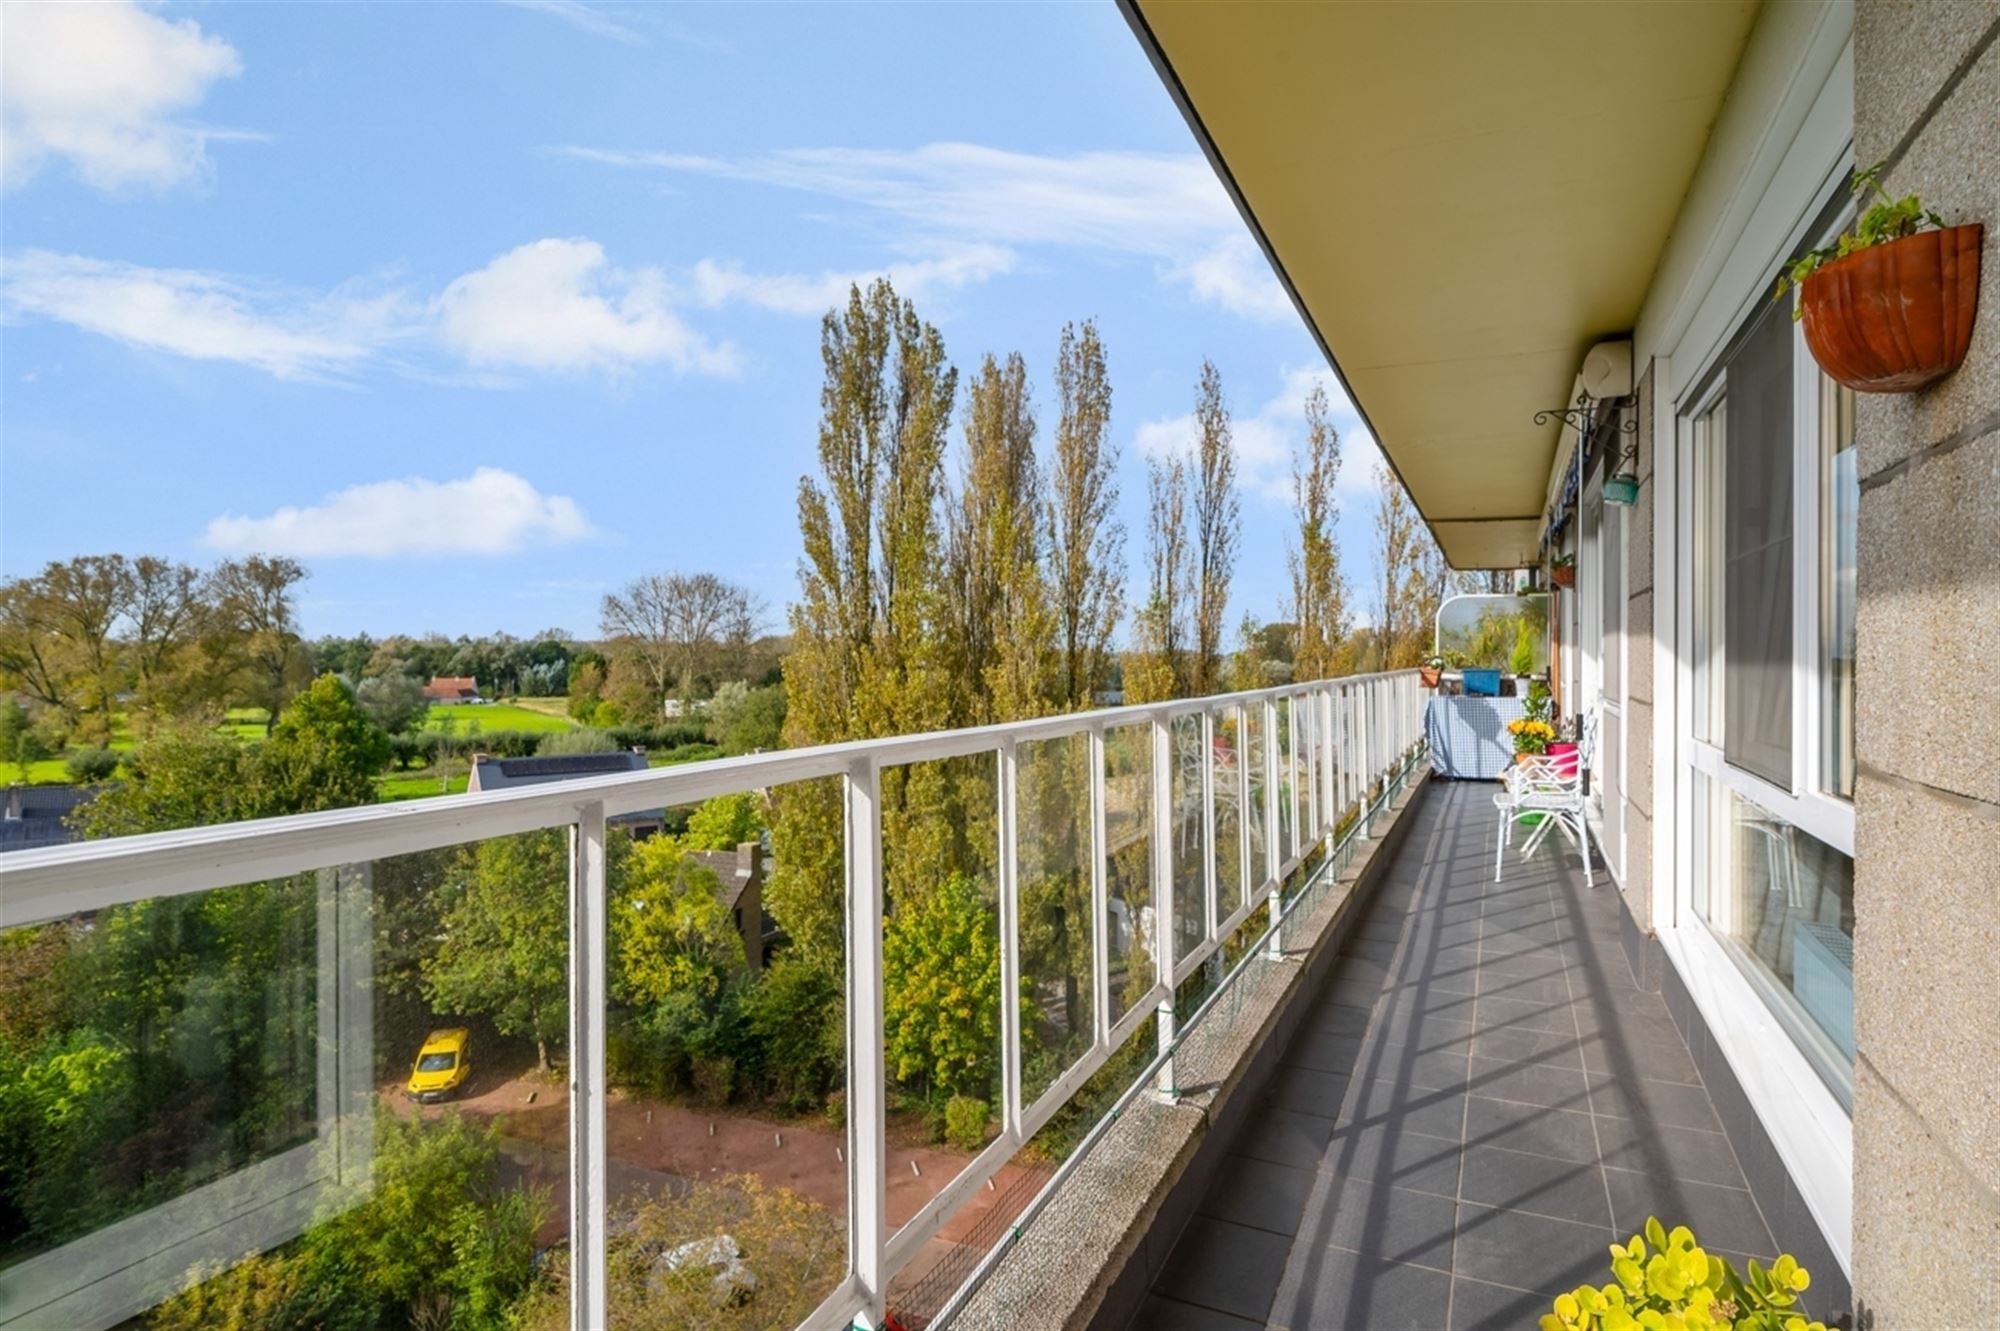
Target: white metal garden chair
(1554,788)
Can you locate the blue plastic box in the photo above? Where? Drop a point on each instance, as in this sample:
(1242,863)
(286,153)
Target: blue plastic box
(1482,683)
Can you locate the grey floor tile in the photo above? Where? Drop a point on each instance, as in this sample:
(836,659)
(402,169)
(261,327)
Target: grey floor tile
(1158,1314)
(1529,1083)
(1285,1137)
(1501,1013)
(1329,1018)
(1380,950)
(1352,990)
(1385,1153)
(1685,1153)
(1547,989)
(1231,1268)
(1322,1052)
(1648,1102)
(1374,1216)
(1435,1113)
(1725,1218)
(1563,1134)
(1342,1289)
(1257,1193)
(1555,1048)
(1565,1189)
(1663,1061)
(1412,1065)
(1478,1306)
(1528,1251)
(1307,1090)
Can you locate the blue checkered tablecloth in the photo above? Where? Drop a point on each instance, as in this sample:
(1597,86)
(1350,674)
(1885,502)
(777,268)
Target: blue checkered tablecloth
(1468,736)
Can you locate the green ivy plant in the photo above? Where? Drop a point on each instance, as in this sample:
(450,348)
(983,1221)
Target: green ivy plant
(1885,219)
(1674,1285)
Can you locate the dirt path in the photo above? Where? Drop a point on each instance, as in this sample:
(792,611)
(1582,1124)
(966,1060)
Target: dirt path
(651,1146)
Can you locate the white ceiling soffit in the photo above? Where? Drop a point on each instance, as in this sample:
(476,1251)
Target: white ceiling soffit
(1462,199)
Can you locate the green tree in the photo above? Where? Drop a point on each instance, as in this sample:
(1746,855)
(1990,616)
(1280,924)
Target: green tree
(941,995)
(741,719)
(1159,667)
(394,702)
(504,951)
(181,777)
(1217,529)
(257,598)
(1319,593)
(724,823)
(796,1015)
(324,753)
(1087,542)
(1002,626)
(867,652)
(438,1240)
(671,931)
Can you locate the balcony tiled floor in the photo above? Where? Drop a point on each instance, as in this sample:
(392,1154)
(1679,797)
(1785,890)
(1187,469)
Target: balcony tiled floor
(1479,1102)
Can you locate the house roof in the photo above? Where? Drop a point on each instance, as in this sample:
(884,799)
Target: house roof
(1461,200)
(503,773)
(452,684)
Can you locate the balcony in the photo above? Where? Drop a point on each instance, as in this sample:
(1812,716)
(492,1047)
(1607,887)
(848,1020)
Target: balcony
(237,1085)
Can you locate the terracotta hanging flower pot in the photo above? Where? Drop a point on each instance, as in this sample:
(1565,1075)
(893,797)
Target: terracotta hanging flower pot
(1895,317)
(1429,676)
(1563,575)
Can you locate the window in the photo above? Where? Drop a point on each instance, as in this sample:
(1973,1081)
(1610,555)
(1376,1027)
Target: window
(1840,512)
(1757,551)
(1783,903)
(1709,436)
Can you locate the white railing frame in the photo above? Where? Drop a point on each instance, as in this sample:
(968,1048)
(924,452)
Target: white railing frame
(1340,738)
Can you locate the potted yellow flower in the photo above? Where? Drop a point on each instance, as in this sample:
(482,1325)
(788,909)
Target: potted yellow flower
(1532,737)
(1666,1279)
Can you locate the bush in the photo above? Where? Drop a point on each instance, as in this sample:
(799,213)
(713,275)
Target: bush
(965,1122)
(797,1017)
(407,751)
(714,1078)
(578,741)
(656,737)
(836,1110)
(87,767)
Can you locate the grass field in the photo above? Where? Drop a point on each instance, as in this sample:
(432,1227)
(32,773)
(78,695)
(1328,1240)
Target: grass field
(496,716)
(417,786)
(49,772)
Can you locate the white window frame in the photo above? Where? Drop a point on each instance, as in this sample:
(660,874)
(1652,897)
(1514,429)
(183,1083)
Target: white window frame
(1807,1123)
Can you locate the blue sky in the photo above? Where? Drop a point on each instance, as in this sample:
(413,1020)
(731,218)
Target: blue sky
(481,309)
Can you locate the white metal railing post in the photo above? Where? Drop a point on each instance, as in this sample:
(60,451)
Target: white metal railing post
(1100,899)
(1329,781)
(1244,887)
(588,1304)
(1010,941)
(1309,765)
(1272,862)
(1365,743)
(867,1082)
(1210,889)
(1164,933)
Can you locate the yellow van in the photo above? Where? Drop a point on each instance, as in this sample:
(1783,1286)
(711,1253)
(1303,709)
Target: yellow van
(443,1064)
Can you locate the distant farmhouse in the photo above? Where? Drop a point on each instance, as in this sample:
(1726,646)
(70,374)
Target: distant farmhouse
(452,689)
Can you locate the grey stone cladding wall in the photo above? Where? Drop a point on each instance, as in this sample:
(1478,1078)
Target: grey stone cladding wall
(1927,838)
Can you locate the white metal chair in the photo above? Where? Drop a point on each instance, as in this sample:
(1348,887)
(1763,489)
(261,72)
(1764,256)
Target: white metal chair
(1554,788)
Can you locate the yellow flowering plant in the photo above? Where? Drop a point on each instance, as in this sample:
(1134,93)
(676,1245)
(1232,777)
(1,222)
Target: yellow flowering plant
(1531,735)
(1665,1281)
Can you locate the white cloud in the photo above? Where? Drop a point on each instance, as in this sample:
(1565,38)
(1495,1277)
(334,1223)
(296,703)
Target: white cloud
(491,512)
(1267,439)
(584,17)
(1167,207)
(560,305)
(101,85)
(714,284)
(1235,275)
(203,316)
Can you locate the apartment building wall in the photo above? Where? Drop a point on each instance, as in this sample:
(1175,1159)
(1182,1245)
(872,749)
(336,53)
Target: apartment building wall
(1927,836)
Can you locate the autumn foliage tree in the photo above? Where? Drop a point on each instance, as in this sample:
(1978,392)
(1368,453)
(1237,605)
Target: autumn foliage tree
(1319,592)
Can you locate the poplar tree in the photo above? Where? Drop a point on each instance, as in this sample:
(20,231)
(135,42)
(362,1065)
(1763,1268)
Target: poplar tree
(1218,528)
(1087,542)
(1159,666)
(1319,593)
(1397,532)
(1001,613)
(867,658)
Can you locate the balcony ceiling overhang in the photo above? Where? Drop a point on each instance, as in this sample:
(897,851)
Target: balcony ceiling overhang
(1462,198)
